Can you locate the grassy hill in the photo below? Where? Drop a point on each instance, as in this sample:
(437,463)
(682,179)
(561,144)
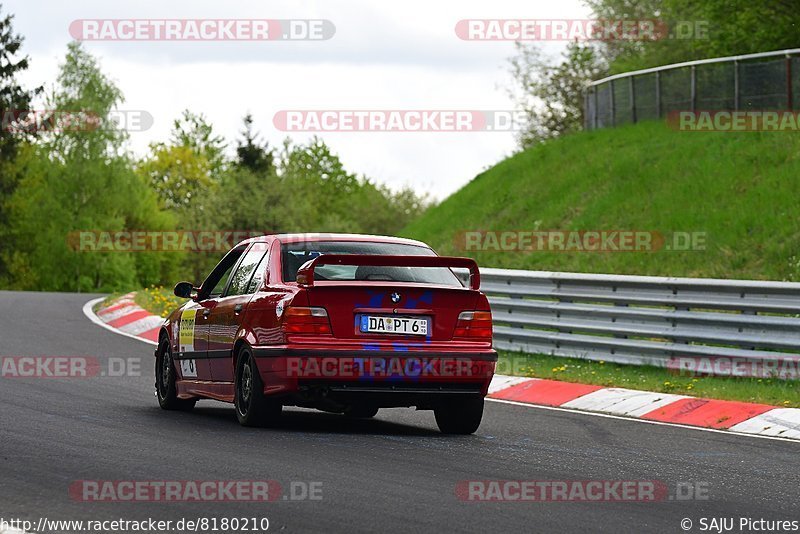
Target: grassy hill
(741,189)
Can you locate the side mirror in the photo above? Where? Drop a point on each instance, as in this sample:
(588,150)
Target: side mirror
(184,290)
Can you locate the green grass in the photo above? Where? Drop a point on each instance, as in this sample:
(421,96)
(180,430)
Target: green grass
(764,391)
(741,189)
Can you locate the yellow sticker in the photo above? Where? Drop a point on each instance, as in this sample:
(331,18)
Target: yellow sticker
(187,330)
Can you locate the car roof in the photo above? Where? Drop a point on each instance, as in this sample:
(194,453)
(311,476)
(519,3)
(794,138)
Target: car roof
(299,238)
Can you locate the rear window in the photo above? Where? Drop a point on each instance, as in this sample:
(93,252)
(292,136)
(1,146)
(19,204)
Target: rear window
(294,255)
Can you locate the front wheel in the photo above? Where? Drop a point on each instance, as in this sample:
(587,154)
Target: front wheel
(460,417)
(252,408)
(166,390)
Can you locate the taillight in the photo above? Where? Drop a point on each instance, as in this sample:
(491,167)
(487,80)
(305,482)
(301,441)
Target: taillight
(297,320)
(474,326)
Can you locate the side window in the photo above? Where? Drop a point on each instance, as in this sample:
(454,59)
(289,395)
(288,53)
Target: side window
(218,279)
(223,281)
(258,275)
(241,278)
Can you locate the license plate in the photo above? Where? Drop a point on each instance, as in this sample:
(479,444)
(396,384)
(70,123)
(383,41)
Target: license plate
(373,324)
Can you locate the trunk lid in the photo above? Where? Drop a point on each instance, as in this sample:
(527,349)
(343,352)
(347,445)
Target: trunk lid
(352,306)
(393,306)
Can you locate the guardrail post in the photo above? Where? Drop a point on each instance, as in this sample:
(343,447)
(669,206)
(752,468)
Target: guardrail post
(614,319)
(748,312)
(694,88)
(508,282)
(658,94)
(611,104)
(674,322)
(632,88)
(736,85)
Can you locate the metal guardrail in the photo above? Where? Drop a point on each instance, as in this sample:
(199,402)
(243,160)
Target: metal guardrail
(763,81)
(643,320)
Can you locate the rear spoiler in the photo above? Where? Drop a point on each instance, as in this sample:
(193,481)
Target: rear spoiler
(305,275)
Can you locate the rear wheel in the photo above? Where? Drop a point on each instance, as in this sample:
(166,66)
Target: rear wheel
(166,390)
(460,417)
(252,408)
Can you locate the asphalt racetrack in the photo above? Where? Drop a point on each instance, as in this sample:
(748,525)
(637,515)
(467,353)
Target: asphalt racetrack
(395,473)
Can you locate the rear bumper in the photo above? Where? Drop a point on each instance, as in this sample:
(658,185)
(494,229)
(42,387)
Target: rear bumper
(382,377)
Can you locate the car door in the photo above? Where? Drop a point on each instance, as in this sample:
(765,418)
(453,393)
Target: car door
(192,344)
(194,324)
(225,318)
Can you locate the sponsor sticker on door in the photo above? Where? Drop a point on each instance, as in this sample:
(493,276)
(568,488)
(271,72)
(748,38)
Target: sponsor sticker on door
(187,330)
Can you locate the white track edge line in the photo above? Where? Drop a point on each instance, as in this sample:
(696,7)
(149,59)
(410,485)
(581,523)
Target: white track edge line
(88,311)
(639,420)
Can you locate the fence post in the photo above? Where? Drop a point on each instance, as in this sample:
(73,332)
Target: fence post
(596,109)
(789,95)
(632,88)
(736,85)
(586,111)
(694,88)
(658,94)
(611,104)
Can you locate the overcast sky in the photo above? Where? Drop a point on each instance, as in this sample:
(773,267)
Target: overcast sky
(384,55)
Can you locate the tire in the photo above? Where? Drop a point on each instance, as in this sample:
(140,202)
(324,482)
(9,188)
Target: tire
(361,412)
(460,417)
(166,390)
(252,408)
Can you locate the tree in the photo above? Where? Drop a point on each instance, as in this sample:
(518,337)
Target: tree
(714,28)
(14,99)
(251,197)
(196,133)
(617,52)
(326,197)
(186,175)
(187,171)
(80,180)
(551,96)
(251,154)
(178,174)
(319,178)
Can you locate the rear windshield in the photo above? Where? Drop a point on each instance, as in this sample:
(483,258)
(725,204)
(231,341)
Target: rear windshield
(294,255)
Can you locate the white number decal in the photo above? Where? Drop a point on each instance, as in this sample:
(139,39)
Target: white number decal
(188,369)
